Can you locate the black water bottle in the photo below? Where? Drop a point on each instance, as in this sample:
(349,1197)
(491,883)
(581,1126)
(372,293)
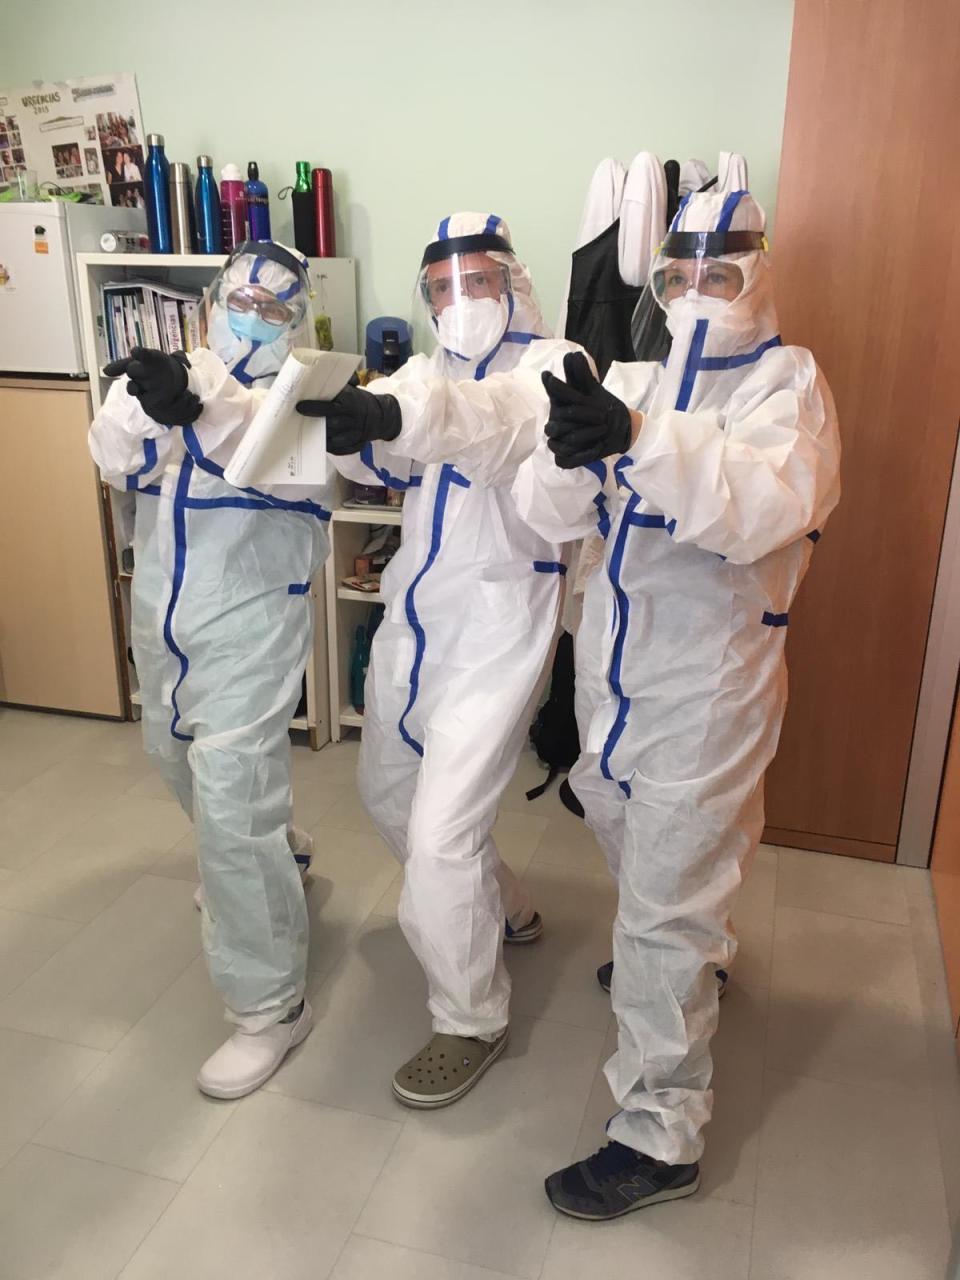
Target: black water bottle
(304,212)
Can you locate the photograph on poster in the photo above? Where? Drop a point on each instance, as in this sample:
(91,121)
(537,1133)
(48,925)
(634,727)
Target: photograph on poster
(127,195)
(123,167)
(117,130)
(66,160)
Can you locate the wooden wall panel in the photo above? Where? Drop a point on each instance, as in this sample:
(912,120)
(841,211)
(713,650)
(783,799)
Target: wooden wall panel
(867,277)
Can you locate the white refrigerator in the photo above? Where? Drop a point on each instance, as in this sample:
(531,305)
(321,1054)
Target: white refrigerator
(39,311)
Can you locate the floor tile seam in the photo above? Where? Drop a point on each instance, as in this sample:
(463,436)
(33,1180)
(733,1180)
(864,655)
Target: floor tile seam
(763,1076)
(138,876)
(108,1164)
(442,1257)
(840,915)
(133,1026)
(45,915)
(401,1126)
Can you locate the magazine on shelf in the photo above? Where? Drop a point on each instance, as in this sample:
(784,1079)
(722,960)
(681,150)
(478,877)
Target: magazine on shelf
(148,313)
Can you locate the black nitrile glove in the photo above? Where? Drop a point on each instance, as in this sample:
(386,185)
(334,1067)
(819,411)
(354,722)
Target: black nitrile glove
(586,422)
(354,418)
(159,382)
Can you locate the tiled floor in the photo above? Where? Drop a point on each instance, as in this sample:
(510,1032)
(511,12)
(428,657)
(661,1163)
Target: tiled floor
(833,1154)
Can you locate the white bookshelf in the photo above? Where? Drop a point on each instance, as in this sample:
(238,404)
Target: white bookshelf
(348,609)
(333,281)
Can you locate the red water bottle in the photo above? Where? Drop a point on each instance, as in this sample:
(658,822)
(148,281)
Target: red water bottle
(323,204)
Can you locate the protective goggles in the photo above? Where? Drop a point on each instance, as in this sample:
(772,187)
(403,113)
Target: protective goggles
(710,277)
(255,297)
(702,260)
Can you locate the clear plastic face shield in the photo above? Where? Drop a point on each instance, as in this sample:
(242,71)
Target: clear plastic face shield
(260,296)
(467,292)
(698,265)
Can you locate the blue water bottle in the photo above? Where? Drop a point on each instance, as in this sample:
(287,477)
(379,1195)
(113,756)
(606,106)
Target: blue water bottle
(156,190)
(209,227)
(258,204)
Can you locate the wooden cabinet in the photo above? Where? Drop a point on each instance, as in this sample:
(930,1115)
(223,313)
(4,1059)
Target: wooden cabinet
(57,639)
(867,276)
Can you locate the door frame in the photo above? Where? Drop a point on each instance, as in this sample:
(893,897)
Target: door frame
(938,690)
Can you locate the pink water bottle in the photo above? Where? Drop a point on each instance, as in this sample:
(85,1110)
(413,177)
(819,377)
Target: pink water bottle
(233,206)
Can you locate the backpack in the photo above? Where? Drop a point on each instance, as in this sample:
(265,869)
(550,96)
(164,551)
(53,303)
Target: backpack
(554,732)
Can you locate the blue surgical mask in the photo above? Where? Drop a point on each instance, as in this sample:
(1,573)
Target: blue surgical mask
(247,324)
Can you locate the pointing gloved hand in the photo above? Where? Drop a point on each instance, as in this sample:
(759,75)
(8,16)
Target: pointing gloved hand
(354,418)
(159,382)
(586,422)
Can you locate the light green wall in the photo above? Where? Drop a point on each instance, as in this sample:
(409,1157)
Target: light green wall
(420,108)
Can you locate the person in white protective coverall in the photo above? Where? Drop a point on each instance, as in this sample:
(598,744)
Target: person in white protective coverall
(221,631)
(728,467)
(472,603)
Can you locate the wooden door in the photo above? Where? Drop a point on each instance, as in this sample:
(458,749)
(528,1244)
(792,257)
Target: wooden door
(868,277)
(57,640)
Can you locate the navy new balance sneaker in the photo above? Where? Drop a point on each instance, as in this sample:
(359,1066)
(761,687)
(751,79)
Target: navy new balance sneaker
(618,1180)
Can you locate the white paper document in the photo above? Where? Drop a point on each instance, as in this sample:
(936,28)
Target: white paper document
(281,446)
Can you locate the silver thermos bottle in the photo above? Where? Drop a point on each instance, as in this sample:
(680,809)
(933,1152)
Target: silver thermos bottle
(181,209)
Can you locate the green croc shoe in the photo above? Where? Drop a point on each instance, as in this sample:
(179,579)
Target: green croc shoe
(444,1070)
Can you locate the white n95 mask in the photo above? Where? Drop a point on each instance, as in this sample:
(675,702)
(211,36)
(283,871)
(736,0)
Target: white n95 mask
(473,326)
(693,306)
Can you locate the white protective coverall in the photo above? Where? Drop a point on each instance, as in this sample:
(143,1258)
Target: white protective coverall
(710,522)
(221,631)
(472,602)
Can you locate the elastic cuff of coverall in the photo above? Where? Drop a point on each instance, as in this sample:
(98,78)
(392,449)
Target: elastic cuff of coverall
(472,1030)
(639,1130)
(251,1023)
(522,917)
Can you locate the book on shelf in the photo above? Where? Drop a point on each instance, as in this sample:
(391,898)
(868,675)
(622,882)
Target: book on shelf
(147,313)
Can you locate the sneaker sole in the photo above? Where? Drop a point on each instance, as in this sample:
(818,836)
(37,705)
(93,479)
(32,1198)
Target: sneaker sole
(522,938)
(674,1193)
(230,1095)
(419,1103)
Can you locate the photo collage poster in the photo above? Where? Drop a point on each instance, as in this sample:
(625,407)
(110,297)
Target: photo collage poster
(81,136)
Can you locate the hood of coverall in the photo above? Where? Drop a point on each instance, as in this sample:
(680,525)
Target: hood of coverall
(496,330)
(716,341)
(259,269)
